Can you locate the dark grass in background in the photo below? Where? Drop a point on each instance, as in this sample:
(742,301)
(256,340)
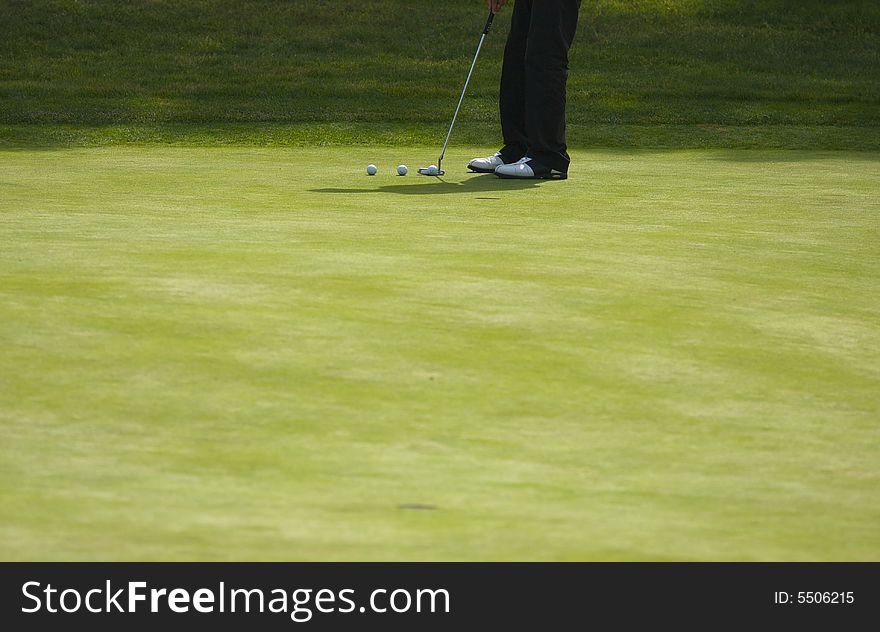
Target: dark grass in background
(645,73)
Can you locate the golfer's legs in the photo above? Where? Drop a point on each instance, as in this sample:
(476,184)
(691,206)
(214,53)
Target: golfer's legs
(551,33)
(513,83)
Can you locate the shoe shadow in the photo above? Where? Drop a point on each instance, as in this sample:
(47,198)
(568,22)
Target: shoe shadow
(487,183)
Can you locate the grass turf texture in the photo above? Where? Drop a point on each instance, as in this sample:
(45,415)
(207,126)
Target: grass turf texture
(238,354)
(645,73)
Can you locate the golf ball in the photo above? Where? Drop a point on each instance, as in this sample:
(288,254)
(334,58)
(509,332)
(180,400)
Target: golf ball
(402,170)
(433,170)
(371,170)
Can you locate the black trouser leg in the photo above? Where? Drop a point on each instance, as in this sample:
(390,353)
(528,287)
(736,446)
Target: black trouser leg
(513,84)
(534,78)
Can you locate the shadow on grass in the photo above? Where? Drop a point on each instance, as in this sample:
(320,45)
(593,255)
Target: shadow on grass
(438,186)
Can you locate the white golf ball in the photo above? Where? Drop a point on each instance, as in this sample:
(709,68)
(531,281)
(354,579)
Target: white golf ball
(371,170)
(433,170)
(402,170)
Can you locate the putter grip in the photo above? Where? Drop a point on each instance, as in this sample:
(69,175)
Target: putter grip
(489,23)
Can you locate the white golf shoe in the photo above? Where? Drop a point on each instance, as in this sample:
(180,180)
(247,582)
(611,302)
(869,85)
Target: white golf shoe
(486,165)
(529,169)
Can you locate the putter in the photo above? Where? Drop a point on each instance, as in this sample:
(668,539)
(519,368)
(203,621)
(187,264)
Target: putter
(438,169)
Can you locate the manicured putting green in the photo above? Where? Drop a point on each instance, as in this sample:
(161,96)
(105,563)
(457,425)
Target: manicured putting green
(246,353)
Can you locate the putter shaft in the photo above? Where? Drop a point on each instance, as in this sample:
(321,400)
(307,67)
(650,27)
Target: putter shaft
(467,81)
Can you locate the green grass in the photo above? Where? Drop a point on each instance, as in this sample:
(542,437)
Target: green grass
(218,344)
(645,73)
(236,353)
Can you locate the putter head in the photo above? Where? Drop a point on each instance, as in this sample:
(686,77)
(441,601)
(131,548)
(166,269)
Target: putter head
(433,170)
